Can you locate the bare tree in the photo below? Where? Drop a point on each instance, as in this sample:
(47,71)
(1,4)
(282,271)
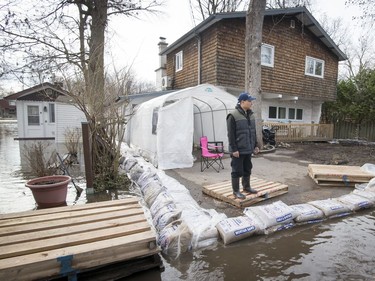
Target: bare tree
(367,7)
(205,8)
(282,4)
(253,44)
(68,36)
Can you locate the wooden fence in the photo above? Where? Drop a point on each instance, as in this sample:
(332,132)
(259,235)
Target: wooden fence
(348,130)
(301,132)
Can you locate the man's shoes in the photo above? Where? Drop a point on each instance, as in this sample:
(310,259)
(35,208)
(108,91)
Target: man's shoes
(250,190)
(239,195)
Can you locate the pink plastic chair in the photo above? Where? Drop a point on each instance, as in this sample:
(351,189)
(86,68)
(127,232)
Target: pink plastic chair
(211,153)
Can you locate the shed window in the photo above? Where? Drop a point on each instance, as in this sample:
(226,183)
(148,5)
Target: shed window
(314,67)
(33,115)
(155,116)
(51,112)
(179,61)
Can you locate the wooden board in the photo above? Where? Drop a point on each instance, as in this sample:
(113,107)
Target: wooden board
(266,189)
(332,175)
(32,244)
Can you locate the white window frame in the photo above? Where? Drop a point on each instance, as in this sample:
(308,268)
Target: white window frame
(272,59)
(287,117)
(310,61)
(179,61)
(33,117)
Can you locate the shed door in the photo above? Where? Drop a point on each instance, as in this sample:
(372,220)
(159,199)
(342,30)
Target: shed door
(39,120)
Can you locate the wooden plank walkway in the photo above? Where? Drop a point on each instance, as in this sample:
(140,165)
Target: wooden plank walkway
(266,189)
(333,175)
(59,241)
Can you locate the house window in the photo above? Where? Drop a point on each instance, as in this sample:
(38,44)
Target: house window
(33,115)
(179,59)
(295,114)
(267,55)
(272,112)
(51,112)
(155,116)
(314,67)
(280,113)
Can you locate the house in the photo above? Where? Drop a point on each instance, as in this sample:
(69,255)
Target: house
(299,62)
(44,112)
(8,106)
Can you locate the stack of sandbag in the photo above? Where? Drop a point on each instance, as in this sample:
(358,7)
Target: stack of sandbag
(181,224)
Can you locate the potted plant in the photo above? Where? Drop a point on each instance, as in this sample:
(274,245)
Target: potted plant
(48,189)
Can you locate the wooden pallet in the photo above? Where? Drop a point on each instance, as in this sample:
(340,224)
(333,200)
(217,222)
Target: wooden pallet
(266,189)
(332,175)
(60,241)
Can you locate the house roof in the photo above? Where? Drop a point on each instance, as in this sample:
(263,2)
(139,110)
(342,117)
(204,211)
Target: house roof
(301,13)
(37,93)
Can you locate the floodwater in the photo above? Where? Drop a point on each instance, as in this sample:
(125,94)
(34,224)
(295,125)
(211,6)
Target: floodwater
(337,249)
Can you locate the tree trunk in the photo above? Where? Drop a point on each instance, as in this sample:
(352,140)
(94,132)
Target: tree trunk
(253,71)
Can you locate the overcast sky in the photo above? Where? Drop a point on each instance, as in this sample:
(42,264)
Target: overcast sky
(134,42)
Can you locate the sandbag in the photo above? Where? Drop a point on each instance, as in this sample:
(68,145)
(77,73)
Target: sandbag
(162,200)
(129,163)
(175,238)
(331,207)
(238,228)
(136,172)
(366,194)
(355,202)
(272,214)
(165,216)
(307,213)
(151,191)
(147,176)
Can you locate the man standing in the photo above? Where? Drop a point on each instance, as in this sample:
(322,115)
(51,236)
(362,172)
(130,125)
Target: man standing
(242,143)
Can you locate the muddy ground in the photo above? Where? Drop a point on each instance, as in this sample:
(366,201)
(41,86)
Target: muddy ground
(352,153)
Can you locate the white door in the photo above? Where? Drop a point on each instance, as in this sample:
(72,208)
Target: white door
(39,120)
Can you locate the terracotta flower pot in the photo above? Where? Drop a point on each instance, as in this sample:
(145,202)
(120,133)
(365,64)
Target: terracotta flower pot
(49,191)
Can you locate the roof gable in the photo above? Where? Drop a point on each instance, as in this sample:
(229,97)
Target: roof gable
(41,92)
(301,13)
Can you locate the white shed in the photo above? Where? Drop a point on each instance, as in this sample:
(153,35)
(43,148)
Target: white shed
(166,128)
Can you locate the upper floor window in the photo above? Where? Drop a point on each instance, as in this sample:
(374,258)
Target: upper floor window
(267,55)
(314,67)
(179,60)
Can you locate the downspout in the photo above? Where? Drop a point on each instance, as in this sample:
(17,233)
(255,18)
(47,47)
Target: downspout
(199,59)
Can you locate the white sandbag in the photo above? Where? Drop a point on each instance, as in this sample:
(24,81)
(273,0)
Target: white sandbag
(366,194)
(136,172)
(307,213)
(355,202)
(272,214)
(147,176)
(331,207)
(371,185)
(163,199)
(175,238)
(129,163)
(151,191)
(238,228)
(368,168)
(202,224)
(165,216)
(279,227)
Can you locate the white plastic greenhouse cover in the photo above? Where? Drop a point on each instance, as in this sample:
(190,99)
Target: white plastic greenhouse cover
(180,119)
